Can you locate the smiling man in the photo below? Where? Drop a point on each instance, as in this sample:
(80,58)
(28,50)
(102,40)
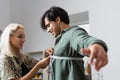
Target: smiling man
(71,45)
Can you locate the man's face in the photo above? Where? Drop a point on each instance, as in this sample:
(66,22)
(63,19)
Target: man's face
(52,27)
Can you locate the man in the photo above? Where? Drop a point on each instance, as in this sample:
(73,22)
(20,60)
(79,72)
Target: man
(71,45)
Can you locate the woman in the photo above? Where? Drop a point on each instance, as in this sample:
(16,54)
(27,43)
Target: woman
(14,64)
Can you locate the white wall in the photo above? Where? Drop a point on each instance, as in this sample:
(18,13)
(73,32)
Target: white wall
(28,12)
(4,13)
(104,17)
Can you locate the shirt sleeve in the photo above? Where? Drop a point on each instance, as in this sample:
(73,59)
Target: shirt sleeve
(81,39)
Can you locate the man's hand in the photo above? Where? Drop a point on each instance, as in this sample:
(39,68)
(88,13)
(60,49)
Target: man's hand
(97,52)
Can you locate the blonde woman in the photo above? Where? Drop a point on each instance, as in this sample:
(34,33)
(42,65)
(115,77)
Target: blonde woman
(14,63)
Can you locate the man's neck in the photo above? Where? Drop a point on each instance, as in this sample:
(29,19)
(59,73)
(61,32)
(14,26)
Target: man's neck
(64,26)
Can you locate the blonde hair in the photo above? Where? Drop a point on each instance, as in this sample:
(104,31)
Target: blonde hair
(5,46)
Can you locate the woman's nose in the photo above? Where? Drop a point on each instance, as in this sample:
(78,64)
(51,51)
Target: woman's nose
(23,39)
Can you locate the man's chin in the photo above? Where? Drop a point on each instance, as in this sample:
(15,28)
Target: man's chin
(55,36)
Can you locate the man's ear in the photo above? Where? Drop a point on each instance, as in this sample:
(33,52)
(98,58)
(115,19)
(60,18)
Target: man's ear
(58,20)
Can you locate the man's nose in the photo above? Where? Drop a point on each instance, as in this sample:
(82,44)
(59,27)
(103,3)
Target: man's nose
(48,29)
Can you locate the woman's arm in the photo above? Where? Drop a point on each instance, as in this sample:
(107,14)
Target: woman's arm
(41,64)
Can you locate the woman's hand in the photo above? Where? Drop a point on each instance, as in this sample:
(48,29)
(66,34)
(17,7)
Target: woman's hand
(43,63)
(48,52)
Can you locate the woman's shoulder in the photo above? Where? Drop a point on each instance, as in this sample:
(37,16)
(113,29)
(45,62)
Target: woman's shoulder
(5,58)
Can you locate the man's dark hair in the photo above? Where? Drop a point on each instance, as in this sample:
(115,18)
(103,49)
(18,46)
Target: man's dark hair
(53,13)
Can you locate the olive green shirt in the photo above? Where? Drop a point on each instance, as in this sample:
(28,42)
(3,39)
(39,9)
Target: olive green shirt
(68,44)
